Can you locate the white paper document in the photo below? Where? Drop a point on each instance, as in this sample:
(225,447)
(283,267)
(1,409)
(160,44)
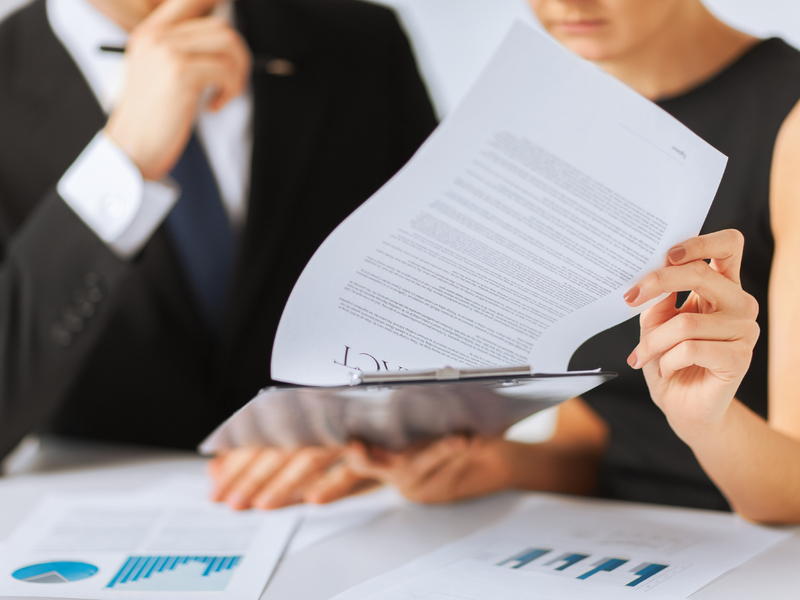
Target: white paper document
(512,235)
(322,522)
(474,580)
(610,550)
(105,546)
(318,522)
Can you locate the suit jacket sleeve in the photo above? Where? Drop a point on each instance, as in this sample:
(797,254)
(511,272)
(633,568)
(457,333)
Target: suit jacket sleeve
(56,280)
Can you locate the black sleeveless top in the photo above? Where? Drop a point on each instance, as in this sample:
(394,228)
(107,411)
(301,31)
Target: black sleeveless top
(739,111)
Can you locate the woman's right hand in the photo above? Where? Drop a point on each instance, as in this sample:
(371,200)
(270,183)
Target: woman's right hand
(451,469)
(461,467)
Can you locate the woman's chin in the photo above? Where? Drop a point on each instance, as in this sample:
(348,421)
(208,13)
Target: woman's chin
(588,47)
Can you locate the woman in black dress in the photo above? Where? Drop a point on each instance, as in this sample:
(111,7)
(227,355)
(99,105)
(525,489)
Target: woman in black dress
(690,424)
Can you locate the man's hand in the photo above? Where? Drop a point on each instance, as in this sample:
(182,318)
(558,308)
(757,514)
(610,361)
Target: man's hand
(177,58)
(271,478)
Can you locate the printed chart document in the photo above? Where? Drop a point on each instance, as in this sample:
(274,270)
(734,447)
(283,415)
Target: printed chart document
(512,235)
(474,580)
(610,550)
(106,546)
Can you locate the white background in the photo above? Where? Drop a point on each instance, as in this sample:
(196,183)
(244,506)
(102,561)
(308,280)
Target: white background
(454,38)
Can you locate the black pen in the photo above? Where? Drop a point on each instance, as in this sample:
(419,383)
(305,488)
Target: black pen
(274,66)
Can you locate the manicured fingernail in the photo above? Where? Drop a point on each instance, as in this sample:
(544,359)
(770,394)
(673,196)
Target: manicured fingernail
(676,254)
(237,501)
(632,360)
(267,501)
(632,294)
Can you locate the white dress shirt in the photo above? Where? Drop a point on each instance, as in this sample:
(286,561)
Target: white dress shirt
(103,186)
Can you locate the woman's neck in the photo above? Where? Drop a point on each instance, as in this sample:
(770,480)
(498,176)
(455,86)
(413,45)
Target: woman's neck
(692,48)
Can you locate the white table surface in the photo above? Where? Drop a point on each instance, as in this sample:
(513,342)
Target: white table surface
(336,564)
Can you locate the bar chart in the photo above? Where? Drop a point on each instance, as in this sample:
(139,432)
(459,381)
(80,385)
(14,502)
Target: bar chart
(586,566)
(175,574)
(566,560)
(523,558)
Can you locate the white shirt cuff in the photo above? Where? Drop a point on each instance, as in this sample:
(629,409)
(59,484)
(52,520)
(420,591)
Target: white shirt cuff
(106,190)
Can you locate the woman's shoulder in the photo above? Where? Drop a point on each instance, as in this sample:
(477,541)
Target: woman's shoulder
(757,91)
(777,48)
(768,78)
(770,57)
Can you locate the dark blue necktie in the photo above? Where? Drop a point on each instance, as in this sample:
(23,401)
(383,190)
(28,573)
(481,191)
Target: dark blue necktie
(201,233)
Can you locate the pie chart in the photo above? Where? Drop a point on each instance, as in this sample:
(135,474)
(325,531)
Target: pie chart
(55,572)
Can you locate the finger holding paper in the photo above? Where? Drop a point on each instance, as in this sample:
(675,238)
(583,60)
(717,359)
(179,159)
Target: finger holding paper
(694,357)
(460,467)
(450,469)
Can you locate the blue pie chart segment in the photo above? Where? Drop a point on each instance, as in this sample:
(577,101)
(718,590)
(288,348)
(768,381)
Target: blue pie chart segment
(55,572)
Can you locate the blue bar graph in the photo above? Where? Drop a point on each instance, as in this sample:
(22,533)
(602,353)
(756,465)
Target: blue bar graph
(175,573)
(568,559)
(523,558)
(645,572)
(567,562)
(607,564)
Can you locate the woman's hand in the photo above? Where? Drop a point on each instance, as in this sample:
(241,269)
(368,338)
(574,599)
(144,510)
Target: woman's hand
(695,357)
(453,468)
(272,478)
(460,467)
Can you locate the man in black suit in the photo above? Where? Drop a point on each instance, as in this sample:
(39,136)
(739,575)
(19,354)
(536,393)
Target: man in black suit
(107,328)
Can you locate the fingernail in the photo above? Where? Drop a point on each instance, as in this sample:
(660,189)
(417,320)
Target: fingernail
(676,254)
(237,501)
(632,360)
(632,294)
(266,502)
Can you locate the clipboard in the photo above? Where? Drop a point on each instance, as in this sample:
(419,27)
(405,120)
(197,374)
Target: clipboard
(398,410)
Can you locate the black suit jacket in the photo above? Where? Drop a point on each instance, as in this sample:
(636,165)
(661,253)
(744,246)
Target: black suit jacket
(94,346)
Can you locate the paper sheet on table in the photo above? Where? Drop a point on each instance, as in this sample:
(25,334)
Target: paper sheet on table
(325,521)
(319,522)
(512,235)
(98,545)
(631,549)
(474,580)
